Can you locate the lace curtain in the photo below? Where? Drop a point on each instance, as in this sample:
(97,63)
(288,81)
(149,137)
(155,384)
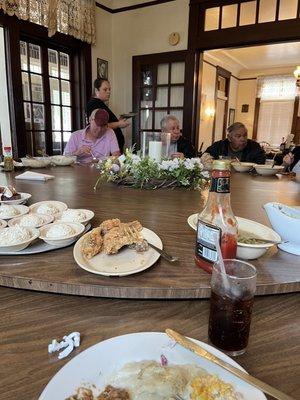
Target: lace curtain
(276,87)
(71,17)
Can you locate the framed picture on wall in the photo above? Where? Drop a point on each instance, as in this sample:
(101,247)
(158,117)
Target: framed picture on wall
(231,116)
(102,68)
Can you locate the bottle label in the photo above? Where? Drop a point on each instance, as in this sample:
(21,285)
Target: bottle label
(220,185)
(207,235)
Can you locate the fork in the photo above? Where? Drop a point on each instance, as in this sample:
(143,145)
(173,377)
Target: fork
(177,397)
(135,235)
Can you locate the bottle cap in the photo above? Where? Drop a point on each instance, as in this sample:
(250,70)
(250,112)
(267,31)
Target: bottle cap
(6,148)
(221,165)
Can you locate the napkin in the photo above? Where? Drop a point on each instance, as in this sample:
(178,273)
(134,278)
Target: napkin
(34,176)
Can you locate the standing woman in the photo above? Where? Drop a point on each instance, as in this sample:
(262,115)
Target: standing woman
(101,96)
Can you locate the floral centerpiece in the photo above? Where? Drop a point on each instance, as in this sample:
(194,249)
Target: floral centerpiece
(132,170)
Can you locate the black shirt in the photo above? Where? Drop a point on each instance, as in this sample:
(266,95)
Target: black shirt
(251,153)
(185,146)
(95,103)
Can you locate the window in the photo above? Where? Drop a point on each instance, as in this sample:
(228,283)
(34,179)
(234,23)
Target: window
(276,87)
(40,83)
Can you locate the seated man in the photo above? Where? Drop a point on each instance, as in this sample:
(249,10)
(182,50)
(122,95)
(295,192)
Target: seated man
(291,160)
(180,147)
(95,142)
(236,145)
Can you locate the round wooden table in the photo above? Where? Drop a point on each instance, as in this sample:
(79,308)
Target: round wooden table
(163,211)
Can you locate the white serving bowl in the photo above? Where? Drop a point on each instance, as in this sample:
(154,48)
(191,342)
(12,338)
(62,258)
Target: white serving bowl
(252,251)
(267,170)
(61,241)
(66,216)
(3,223)
(22,200)
(63,160)
(22,210)
(59,205)
(247,251)
(36,162)
(34,234)
(44,220)
(242,166)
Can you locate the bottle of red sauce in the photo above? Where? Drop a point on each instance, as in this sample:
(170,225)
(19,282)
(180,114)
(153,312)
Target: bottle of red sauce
(216,221)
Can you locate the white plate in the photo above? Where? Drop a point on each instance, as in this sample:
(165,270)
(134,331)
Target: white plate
(22,211)
(125,262)
(93,365)
(22,200)
(58,204)
(3,223)
(39,246)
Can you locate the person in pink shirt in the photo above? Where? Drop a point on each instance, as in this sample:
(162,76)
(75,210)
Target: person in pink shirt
(96,141)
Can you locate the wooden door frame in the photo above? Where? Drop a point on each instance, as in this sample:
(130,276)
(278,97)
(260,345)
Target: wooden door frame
(191,64)
(240,36)
(227,75)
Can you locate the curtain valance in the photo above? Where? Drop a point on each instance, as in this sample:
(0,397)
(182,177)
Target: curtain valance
(276,87)
(71,17)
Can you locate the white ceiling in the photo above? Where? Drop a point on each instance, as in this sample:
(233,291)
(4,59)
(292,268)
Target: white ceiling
(260,57)
(121,3)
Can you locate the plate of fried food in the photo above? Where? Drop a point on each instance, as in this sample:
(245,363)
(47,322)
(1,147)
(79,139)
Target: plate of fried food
(117,248)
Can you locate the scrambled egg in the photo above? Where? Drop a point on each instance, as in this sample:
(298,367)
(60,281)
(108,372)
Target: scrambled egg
(210,387)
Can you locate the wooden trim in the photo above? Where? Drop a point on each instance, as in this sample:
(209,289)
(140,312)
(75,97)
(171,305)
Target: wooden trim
(256,116)
(133,7)
(233,76)
(295,117)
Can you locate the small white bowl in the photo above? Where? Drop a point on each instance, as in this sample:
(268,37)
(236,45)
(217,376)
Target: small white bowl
(59,205)
(21,245)
(3,223)
(22,210)
(267,170)
(61,241)
(63,160)
(36,162)
(242,166)
(252,251)
(63,217)
(22,200)
(45,219)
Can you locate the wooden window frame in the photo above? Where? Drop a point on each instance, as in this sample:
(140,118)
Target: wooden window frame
(16,30)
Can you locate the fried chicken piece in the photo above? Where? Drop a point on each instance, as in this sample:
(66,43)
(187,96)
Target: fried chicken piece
(111,393)
(82,394)
(92,244)
(120,236)
(108,224)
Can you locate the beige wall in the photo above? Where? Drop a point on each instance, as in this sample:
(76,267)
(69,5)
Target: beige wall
(246,95)
(136,32)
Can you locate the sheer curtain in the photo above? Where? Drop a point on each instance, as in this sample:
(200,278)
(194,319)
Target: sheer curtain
(72,17)
(277,96)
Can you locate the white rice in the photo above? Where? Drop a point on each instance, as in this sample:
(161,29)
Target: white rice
(60,231)
(30,221)
(7,211)
(72,215)
(14,235)
(47,208)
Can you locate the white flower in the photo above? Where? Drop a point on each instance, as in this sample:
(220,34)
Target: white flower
(169,165)
(135,159)
(115,168)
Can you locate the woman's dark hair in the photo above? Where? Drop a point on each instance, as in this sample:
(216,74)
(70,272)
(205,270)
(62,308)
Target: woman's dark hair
(98,82)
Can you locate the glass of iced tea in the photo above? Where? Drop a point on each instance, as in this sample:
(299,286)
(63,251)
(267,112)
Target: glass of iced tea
(231,302)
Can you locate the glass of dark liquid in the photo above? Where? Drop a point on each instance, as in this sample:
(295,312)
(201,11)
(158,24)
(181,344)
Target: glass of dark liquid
(231,301)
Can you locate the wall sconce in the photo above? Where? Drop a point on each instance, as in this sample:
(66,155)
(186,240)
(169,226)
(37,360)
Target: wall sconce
(297,75)
(210,112)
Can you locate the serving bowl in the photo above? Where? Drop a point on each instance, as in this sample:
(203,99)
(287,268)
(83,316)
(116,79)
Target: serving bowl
(48,207)
(22,200)
(61,240)
(20,245)
(253,229)
(267,170)
(63,160)
(21,221)
(6,211)
(242,166)
(75,215)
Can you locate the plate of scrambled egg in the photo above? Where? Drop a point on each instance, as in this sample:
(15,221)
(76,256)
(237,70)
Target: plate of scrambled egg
(146,366)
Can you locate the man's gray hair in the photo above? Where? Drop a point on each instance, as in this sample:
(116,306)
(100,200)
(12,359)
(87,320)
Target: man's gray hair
(235,127)
(166,119)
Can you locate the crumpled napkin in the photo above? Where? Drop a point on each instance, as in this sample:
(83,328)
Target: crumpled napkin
(34,176)
(68,343)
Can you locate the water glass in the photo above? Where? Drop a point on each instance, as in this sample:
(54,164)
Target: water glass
(231,302)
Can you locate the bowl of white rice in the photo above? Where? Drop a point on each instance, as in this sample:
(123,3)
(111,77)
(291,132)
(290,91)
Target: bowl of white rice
(17,238)
(61,233)
(7,211)
(31,220)
(48,207)
(75,215)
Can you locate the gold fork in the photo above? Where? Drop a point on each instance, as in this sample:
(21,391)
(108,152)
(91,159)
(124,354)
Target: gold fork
(136,236)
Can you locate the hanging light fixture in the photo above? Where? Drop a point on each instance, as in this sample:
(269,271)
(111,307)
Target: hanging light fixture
(297,75)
